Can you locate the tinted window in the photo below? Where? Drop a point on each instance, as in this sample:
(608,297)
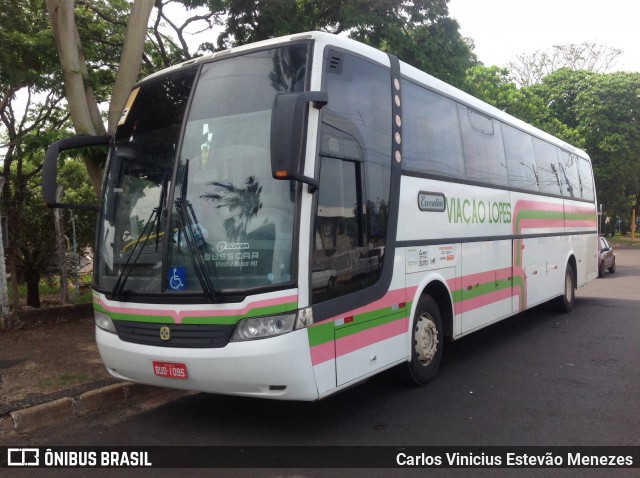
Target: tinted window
(482,145)
(359,111)
(547,163)
(586,179)
(521,162)
(569,171)
(355,174)
(431,134)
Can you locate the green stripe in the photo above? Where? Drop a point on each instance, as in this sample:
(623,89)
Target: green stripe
(482,289)
(580,216)
(321,334)
(538,214)
(328,331)
(350,329)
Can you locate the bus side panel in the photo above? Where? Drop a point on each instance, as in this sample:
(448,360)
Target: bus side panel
(543,264)
(540,258)
(581,218)
(468,212)
(363,341)
(486,283)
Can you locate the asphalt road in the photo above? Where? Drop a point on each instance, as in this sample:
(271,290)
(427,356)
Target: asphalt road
(540,378)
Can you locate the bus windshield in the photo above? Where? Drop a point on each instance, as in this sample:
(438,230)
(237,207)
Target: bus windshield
(193,208)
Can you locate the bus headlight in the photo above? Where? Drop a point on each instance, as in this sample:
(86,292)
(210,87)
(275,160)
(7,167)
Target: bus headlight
(263,327)
(104,321)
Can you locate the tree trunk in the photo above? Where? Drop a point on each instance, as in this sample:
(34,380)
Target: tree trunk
(80,97)
(32,278)
(130,59)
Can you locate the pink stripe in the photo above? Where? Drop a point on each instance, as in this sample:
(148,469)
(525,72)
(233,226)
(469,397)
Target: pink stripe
(480,278)
(580,223)
(580,210)
(536,206)
(485,299)
(541,223)
(367,337)
(391,298)
(178,316)
(323,352)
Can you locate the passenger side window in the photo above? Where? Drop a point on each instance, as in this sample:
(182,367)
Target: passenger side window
(569,171)
(482,146)
(352,212)
(521,161)
(586,179)
(431,134)
(547,165)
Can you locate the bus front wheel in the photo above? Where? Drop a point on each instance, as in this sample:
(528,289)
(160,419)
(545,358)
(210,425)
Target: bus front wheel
(426,341)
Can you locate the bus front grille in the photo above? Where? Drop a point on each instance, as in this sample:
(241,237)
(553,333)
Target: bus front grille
(178,335)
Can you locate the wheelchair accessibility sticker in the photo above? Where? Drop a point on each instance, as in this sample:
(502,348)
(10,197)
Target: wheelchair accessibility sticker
(177,278)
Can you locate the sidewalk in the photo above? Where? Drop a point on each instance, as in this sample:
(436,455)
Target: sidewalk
(49,373)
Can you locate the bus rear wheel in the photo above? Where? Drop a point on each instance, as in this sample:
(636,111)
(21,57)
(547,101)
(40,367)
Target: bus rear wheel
(567,299)
(426,341)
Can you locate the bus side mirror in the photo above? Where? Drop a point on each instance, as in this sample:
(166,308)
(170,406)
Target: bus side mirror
(50,167)
(287,134)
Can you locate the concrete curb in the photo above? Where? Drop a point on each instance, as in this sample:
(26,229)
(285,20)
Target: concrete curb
(116,396)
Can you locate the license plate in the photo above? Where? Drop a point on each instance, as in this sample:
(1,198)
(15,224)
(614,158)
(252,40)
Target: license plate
(170,369)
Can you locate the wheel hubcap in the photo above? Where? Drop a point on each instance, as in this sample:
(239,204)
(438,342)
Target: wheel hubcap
(568,288)
(426,342)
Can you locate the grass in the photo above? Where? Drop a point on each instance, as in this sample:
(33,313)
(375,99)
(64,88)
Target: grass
(624,240)
(50,290)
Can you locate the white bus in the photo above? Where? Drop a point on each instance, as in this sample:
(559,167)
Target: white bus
(287,218)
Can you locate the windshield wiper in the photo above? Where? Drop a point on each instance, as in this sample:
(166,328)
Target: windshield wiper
(189,226)
(154,219)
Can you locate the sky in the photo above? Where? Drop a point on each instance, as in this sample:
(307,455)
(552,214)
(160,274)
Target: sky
(503,29)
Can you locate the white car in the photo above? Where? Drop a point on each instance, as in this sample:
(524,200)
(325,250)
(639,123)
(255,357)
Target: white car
(322,278)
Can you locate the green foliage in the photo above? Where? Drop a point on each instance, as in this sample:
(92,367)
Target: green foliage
(27,52)
(102,27)
(78,190)
(602,109)
(559,91)
(418,32)
(607,112)
(494,86)
(594,111)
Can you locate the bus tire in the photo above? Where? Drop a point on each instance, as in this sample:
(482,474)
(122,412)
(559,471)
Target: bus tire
(427,341)
(567,299)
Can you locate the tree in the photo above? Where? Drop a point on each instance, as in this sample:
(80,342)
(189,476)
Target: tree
(78,79)
(418,32)
(494,86)
(529,69)
(89,34)
(559,91)
(30,113)
(170,44)
(27,136)
(602,110)
(594,111)
(607,113)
